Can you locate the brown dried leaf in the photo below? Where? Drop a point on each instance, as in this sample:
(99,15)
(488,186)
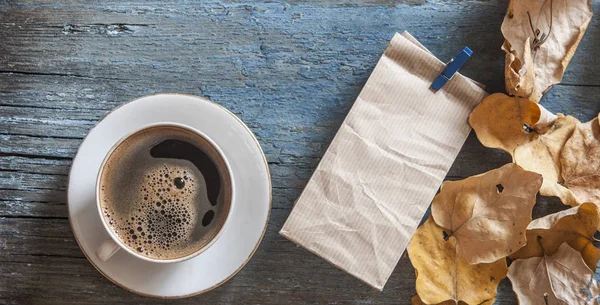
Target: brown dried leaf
(580,162)
(527,60)
(542,155)
(488,213)
(562,277)
(519,76)
(441,276)
(501,121)
(575,226)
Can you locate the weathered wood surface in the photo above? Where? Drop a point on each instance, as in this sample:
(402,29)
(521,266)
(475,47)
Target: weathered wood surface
(290,70)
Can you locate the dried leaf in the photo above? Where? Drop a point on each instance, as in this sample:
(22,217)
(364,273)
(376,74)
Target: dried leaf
(541,54)
(542,155)
(488,214)
(575,226)
(546,120)
(416,300)
(519,74)
(505,122)
(562,277)
(580,162)
(441,276)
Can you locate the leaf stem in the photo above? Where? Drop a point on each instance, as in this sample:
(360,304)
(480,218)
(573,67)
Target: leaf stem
(538,40)
(539,240)
(446,235)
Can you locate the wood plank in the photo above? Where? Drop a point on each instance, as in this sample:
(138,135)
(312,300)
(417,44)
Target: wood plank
(23,236)
(29,181)
(303,37)
(44,250)
(35,186)
(35,255)
(35,165)
(28,132)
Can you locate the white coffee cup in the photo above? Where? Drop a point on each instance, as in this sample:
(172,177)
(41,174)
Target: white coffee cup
(114,243)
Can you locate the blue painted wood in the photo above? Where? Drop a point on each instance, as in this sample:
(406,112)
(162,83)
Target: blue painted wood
(290,70)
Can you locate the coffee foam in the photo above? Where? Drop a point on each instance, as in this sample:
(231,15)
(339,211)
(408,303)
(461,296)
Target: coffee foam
(158,207)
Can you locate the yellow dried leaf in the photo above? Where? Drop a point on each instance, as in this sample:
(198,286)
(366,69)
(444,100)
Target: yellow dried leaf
(575,226)
(416,300)
(542,155)
(488,214)
(441,276)
(501,121)
(580,162)
(541,57)
(560,277)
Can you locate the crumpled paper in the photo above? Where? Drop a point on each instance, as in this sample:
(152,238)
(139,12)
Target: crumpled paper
(385,164)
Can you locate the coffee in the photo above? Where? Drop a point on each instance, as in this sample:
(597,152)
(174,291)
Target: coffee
(165,191)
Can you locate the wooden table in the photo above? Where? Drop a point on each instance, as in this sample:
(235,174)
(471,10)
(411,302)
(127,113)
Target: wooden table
(290,70)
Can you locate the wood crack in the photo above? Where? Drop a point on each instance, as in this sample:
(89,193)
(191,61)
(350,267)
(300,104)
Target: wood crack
(7,170)
(59,203)
(34,188)
(577,85)
(59,74)
(28,156)
(44,255)
(31,106)
(42,137)
(34,217)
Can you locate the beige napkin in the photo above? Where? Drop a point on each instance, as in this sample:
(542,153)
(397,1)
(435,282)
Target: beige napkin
(385,164)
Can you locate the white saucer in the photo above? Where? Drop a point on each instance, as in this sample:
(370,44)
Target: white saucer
(241,234)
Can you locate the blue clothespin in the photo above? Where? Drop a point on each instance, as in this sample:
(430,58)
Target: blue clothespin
(451,68)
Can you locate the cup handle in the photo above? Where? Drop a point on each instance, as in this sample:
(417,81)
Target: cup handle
(107,249)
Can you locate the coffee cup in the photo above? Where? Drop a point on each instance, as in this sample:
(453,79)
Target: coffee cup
(164,194)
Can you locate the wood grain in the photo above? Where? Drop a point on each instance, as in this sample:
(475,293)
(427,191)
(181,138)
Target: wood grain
(290,70)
